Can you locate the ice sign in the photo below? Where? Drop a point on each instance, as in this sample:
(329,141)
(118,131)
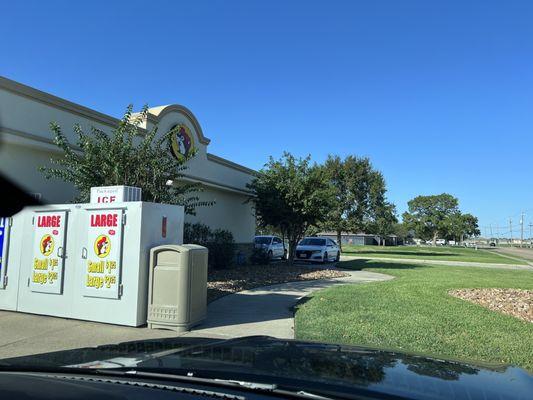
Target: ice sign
(48,251)
(103,251)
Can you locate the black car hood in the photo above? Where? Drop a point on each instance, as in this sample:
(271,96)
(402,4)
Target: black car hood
(269,359)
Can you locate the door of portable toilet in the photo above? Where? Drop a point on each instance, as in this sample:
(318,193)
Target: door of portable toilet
(177,291)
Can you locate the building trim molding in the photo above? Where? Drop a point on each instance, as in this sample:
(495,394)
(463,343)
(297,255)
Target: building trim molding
(57,102)
(217,185)
(231,164)
(31,136)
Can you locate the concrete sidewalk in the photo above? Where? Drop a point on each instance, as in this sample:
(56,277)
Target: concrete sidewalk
(440,262)
(268,310)
(260,311)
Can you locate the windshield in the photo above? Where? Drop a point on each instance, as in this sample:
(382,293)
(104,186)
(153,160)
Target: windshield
(346,174)
(313,242)
(263,240)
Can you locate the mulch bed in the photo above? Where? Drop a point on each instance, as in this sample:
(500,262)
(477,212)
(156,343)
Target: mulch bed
(515,302)
(238,278)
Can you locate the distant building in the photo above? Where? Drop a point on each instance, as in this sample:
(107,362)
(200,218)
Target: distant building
(364,239)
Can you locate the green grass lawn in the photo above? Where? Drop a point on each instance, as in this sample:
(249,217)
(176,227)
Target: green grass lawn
(414,313)
(431,253)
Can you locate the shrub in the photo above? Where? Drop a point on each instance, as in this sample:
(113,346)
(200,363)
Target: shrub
(196,233)
(219,242)
(221,249)
(259,256)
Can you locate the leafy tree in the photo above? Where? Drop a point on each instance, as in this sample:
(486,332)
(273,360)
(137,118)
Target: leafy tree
(123,157)
(460,226)
(291,195)
(429,215)
(403,231)
(359,193)
(381,215)
(470,226)
(384,222)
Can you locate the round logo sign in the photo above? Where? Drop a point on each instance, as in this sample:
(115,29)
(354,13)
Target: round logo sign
(102,246)
(47,245)
(181,142)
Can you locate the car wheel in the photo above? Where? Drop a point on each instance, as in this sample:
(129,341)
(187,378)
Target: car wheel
(338,258)
(325,258)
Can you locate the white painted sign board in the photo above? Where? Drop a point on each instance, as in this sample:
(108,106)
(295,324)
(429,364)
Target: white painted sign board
(103,254)
(115,194)
(48,252)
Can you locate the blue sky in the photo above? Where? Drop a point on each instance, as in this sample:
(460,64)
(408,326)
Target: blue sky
(438,94)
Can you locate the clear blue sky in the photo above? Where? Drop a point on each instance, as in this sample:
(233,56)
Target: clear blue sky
(438,94)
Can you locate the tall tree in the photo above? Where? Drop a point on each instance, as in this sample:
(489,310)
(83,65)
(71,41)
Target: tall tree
(460,226)
(359,193)
(381,215)
(292,195)
(384,221)
(470,226)
(123,157)
(429,215)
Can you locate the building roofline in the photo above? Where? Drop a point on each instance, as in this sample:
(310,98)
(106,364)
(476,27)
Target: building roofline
(156,113)
(57,102)
(230,164)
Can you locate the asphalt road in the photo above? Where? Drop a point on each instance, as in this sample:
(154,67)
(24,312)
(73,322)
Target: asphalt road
(520,252)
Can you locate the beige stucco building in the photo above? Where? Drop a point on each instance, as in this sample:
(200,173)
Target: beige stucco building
(26,144)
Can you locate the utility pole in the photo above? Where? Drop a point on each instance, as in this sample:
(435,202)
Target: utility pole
(511,231)
(522,230)
(530,238)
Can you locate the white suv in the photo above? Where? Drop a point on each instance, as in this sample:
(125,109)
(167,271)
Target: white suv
(319,249)
(272,245)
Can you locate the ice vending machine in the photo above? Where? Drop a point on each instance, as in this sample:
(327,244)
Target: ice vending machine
(87,261)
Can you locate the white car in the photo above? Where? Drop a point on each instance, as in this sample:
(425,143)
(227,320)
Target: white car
(272,245)
(319,249)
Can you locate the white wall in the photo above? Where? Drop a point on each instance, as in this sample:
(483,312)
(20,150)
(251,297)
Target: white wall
(229,212)
(21,163)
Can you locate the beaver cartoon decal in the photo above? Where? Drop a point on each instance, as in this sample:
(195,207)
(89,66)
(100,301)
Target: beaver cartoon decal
(182,143)
(102,246)
(47,245)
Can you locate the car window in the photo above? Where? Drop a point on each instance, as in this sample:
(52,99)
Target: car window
(313,242)
(262,240)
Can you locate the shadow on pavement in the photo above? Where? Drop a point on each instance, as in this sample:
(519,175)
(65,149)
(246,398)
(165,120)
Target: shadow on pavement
(268,303)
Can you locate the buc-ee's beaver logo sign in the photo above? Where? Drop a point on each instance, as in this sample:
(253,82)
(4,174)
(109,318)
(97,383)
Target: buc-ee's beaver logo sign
(47,245)
(181,142)
(102,246)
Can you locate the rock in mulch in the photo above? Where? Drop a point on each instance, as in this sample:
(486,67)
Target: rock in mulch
(515,302)
(236,279)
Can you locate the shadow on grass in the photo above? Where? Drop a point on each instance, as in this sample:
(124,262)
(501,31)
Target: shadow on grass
(359,264)
(401,253)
